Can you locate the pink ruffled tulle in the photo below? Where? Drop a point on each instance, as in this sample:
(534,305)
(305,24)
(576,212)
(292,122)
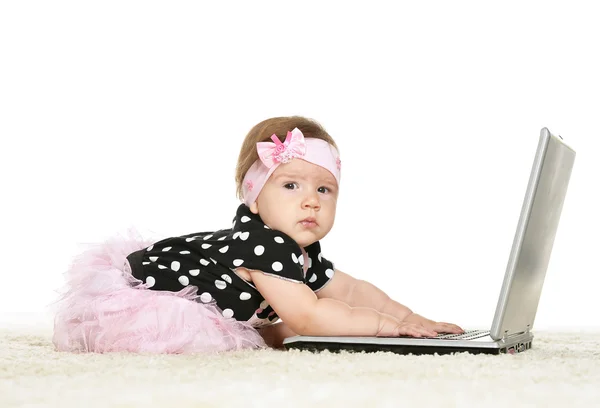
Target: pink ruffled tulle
(106,309)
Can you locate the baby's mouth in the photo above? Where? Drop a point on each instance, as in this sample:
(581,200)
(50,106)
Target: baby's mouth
(309,222)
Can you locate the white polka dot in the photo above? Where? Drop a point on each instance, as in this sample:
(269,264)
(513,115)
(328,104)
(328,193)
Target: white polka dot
(279,240)
(319,257)
(238,262)
(184,280)
(301,260)
(145,263)
(150,248)
(329,273)
(245,296)
(204,261)
(190,239)
(277,266)
(194,272)
(294,258)
(209,236)
(244,235)
(206,246)
(245,219)
(184,252)
(153,258)
(162,267)
(264,304)
(220,284)
(309,262)
(165,249)
(222,238)
(150,281)
(313,278)
(259,250)
(237,234)
(228,313)
(224,249)
(226,278)
(175,265)
(205,297)
(266,227)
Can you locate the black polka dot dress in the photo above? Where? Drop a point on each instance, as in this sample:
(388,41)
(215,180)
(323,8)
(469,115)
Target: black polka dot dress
(207,260)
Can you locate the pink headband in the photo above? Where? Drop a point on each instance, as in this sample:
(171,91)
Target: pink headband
(271,155)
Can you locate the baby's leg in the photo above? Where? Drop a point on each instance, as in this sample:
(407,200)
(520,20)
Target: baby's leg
(274,334)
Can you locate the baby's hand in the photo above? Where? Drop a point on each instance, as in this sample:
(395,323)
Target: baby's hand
(439,327)
(442,327)
(393,328)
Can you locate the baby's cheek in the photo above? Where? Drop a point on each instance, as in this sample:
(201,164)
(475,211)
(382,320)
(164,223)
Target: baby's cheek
(330,203)
(329,197)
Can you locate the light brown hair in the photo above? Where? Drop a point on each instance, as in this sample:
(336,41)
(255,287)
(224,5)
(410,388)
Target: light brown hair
(262,133)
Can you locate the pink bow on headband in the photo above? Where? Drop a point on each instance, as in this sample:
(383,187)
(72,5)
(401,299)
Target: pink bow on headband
(274,153)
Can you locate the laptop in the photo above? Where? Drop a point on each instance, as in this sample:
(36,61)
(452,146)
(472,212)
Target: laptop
(511,330)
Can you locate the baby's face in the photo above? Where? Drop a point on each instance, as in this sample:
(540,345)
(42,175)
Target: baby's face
(299,199)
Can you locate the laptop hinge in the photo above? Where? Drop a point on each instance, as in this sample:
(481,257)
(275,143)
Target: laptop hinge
(506,336)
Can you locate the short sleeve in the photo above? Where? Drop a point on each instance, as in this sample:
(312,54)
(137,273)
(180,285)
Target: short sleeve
(272,252)
(320,271)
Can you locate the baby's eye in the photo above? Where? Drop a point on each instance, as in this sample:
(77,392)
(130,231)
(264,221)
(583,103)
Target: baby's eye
(290,186)
(324,190)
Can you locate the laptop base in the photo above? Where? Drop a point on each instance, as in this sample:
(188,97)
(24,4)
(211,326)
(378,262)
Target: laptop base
(404,349)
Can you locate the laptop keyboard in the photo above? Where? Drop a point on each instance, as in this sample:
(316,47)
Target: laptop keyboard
(467,335)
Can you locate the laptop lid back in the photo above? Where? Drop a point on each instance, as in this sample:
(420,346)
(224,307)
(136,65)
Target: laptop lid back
(534,238)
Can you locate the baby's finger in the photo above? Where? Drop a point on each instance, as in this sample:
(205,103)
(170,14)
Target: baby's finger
(422,331)
(448,328)
(454,328)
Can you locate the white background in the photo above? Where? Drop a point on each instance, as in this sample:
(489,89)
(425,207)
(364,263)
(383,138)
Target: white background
(116,114)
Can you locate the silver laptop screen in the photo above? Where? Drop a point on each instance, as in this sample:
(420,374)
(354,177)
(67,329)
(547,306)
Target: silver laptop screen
(534,238)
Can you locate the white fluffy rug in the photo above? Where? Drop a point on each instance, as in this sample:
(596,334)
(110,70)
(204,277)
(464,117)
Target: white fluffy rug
(562,369)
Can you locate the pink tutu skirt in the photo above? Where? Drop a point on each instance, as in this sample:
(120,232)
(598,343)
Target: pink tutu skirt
(104,309)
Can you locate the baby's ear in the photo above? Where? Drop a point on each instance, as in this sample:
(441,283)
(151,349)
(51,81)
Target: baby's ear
(254,207)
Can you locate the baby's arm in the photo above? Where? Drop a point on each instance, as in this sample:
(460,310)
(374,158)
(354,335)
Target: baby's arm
(307,315)
(357,292)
